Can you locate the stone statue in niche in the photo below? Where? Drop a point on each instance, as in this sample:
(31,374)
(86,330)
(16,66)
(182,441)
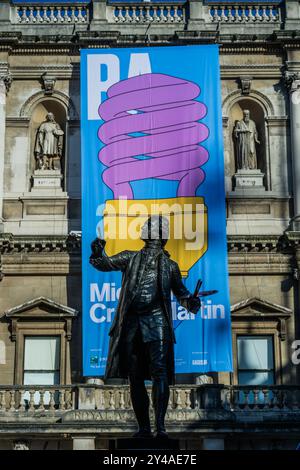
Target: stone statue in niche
(246,136)
(49,145)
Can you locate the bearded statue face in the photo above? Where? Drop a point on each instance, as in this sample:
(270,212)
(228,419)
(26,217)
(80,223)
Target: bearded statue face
(155,228)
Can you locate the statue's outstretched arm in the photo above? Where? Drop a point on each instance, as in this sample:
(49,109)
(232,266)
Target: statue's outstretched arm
(183,295)
(102,262)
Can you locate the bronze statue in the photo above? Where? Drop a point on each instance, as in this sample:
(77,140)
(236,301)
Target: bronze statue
(246,136)
(49,144)
(141,335)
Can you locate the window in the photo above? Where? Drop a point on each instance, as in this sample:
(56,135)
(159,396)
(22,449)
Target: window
(41,360)
(255,356)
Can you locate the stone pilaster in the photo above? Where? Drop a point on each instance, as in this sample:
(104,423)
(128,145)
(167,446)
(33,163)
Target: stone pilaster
(99,12)
(5,82)
(292,79)
(292,15)
(5,11)
(199,15)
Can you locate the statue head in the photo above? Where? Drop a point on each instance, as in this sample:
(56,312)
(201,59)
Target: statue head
(50,117)
(156,227)
(246,115)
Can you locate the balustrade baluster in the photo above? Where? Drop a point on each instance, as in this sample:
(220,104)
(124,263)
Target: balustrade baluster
(31,400)
(127,15)
(18,15)
(24,16)
(176,17)
(264,14)
(112,401)
(272,14)
(3,400)
(52,400)
(178,400)
(12,401)
(73,15)
(215,16)
(120,16)
(163,17)
(41,406)
(188,402)
(223,17)
(22,407)
(62,403)
(80,17)
(237,17)
(38,17)
(251,17)
(122,400)
(31,17)
(256,393)
(257,14)
(246,399)
(134,16)
(230,16)
(243,16)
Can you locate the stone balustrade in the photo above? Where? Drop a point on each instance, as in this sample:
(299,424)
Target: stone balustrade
(151,13)
(243,13)
(55,400)
(32,399)
(264,398)
(145,13)
(51,14)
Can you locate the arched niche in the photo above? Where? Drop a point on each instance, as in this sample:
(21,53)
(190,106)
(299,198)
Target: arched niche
(38,116)
(258,115)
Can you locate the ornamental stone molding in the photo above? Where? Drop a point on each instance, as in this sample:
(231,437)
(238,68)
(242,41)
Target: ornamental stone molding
(292,81)
(245,82)
(5,76)
(56,95)
(258,97)
(48,81)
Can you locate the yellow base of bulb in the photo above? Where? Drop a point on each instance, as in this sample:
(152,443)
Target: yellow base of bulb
(123,219)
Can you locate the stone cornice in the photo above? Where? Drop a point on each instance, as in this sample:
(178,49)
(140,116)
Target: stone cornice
(61,71)
(10,244)
(252,244)
(70,42)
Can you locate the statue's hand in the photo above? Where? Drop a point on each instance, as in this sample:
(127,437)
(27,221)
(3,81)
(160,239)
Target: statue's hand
(97,247)
(194,304)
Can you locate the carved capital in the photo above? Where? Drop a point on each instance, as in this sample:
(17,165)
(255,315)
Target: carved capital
(292,81)
(6,78)
(48,81)
(245,82)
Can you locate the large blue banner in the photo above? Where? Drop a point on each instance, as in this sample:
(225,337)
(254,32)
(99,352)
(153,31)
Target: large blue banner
(151,137)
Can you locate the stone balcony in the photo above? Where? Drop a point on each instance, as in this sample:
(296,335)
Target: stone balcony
(105,410)
(179,15)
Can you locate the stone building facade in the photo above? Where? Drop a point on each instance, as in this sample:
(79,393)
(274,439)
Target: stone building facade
(257,406)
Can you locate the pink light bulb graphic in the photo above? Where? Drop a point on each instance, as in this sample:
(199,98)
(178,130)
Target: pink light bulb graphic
(151,130)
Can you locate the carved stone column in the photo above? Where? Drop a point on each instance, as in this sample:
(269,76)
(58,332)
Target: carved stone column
(5,82)
(293,84)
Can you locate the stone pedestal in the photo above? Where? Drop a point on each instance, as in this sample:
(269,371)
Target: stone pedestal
(249,180)
(46,179)
(84,443)
(147,444)
(212,444)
